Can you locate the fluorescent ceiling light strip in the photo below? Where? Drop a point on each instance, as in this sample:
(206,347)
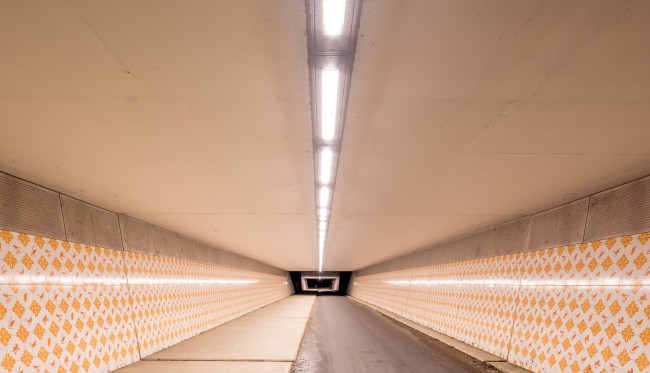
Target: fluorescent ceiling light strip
(322,226)
(329,101)
(333,16)
(323,213)
(324,195)
(326,165)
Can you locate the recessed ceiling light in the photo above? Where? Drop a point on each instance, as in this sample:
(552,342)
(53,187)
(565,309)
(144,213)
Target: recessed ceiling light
(333,17)
(323,213)
(326,164)
(329,101)
(324,194)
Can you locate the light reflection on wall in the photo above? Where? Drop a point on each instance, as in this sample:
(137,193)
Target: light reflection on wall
(607,281)
(582,307)
(117,281)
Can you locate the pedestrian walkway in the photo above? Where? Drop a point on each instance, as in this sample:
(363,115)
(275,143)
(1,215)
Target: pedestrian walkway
(345,336)
(263,341)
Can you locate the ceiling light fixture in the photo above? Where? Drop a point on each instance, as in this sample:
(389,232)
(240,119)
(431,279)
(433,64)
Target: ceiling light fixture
(329,99)
(332,32)
(324,196)
(326,165)
(333,16)
(322,226)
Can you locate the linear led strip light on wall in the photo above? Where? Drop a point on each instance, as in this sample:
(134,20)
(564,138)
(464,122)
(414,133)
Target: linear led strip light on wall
(332,27)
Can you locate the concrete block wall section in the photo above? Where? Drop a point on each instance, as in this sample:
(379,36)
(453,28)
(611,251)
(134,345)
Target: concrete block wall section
(565,290)
(32,209)
(87,289)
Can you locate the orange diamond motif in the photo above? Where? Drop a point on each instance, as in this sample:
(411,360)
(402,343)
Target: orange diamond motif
(625,240)
(631,309)
(57,351)
(27,358)
(18,309)
(591,350)
(4,336)
(35,308)
(622,262)
(22,333)
(569,324)
(86,365)
(644,237)
(645,336)
(6,236)
(593,263)
(67,326)
(610,331)
(70,347)
(595,328)
(578,347)
(8,362)
(50,306)
(39,241)
(57,264)
(623,357)
(54,328)
(642,362)
(27,261)
(39,331)
(606,263)
(10,260)
(614,308)
(640,261)
(23,238)
(627,333)
(582,326)
(43,354)
(42,262)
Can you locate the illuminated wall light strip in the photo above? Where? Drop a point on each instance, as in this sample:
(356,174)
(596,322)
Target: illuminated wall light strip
(117,281)
(329,100)
(605,282)
(333,16)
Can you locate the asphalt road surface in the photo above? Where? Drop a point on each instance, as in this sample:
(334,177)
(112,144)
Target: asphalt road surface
(344,336)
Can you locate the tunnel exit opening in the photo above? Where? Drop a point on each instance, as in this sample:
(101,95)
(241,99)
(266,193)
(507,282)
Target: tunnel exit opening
(320,283)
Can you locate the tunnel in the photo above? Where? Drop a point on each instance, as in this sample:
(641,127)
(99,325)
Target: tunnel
(325,186)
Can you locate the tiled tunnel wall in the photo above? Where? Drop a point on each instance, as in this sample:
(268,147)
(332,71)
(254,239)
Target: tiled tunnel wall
(565,290)
(86,290)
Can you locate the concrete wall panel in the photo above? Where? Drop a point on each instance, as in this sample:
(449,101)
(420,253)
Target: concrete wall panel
(29,208)
(562,225)
(90,224)
(619,211)
(137,236)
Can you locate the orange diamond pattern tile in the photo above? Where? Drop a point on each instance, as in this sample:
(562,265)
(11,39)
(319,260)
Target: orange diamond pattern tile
(578,308)
(75,308)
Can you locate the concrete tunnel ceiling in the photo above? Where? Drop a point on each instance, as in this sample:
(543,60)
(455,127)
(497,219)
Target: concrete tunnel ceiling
(195,115)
